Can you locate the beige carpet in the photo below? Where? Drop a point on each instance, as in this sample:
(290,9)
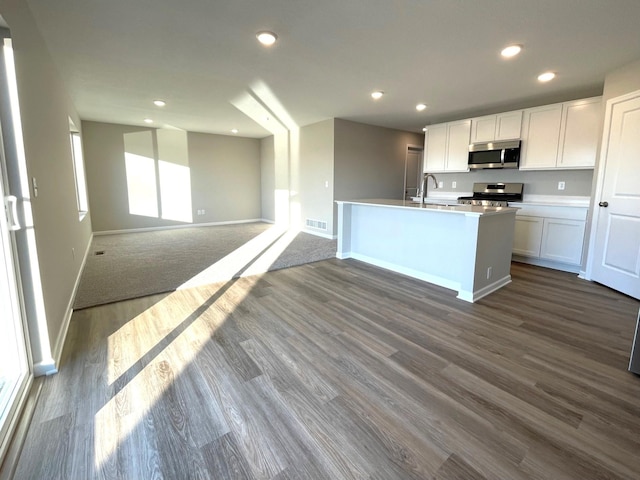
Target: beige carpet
(131,265)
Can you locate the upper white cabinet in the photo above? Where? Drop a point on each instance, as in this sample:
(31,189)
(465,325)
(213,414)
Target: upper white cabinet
(446,147)
(562,135)
(503,126)
(579,133)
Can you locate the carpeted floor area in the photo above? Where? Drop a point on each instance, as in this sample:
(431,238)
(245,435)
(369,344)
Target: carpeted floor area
(131,265)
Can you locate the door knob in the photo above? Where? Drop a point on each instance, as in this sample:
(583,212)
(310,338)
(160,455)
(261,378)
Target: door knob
(604,204)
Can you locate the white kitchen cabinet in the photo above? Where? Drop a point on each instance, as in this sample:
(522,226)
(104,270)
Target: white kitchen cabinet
(551,236)
(561,135)
(562,240)
(528,236)
(503,126)
(579,133)
(446,147)
(540,137)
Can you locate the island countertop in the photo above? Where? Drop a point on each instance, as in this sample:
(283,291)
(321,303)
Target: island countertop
(432,207)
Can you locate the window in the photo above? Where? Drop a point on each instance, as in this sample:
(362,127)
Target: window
(78,170)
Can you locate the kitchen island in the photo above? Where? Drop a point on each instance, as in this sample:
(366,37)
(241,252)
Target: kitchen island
(461,247)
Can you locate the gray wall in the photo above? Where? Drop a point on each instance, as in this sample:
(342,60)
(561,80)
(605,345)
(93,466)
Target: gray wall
(316,168)
(577,182)
(369,161)
(225,178)
(45,109)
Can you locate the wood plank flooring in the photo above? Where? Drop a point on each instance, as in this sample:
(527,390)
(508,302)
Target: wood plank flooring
(339,370)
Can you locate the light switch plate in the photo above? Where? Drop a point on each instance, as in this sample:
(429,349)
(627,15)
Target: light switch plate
(560,185)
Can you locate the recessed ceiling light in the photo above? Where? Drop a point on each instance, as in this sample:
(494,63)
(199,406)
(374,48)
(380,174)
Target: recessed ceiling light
(148,120)
(234,130)
(420,107)
(159,103)
(511,51)
(266,38)
(377,94)
(546,76)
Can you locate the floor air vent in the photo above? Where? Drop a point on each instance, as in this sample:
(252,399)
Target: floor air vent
(320,225)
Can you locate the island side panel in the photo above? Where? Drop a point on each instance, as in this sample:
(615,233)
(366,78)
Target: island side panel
(415,242)
(344,230)
(495,243)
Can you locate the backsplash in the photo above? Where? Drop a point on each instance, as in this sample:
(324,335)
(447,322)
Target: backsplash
(577,182)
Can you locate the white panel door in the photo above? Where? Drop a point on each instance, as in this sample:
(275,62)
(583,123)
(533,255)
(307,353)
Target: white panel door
(615,256)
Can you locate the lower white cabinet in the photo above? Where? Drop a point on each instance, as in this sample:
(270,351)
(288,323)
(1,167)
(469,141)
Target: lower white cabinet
(550,236)
(562,240)
(528,236)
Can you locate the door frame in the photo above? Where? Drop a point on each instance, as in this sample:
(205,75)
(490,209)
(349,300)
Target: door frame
(599,181)
(416,148)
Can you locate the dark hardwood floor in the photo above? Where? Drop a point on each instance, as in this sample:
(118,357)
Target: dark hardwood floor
(340,370)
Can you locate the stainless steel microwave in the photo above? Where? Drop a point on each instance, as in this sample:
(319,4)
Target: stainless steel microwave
(503,154)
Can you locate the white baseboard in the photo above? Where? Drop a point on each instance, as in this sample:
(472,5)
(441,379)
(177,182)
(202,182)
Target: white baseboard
(49,366)
(436,280)
(319,234)
(546,263)
(45,367)
(174,227)
(472,297)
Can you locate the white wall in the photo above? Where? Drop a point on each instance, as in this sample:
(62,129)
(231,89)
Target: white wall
(59,233)
(224,171)
(316,171)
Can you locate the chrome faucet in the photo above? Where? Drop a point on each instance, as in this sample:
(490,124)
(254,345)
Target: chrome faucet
(423,186)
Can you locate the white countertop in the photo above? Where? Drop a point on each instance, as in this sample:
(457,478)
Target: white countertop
(432,207)
(537,200)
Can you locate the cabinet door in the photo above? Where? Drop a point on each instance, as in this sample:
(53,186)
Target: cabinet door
(562,240)
(435,148)
(528,236)
(483,129)
(541,137)
(579,134)
(458,146)
(508,125)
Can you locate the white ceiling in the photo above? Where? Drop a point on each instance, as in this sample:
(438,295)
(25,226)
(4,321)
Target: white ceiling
(116,56)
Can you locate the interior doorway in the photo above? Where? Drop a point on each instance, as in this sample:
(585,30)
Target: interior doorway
(412,171)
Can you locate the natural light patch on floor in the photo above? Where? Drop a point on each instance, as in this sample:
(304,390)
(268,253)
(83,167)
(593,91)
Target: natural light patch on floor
(241,260)
(168,337)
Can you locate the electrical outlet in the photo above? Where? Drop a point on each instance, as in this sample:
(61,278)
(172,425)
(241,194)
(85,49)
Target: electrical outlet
(489,272)
(440,184)
(326,184)
(454,184)
(560,185)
